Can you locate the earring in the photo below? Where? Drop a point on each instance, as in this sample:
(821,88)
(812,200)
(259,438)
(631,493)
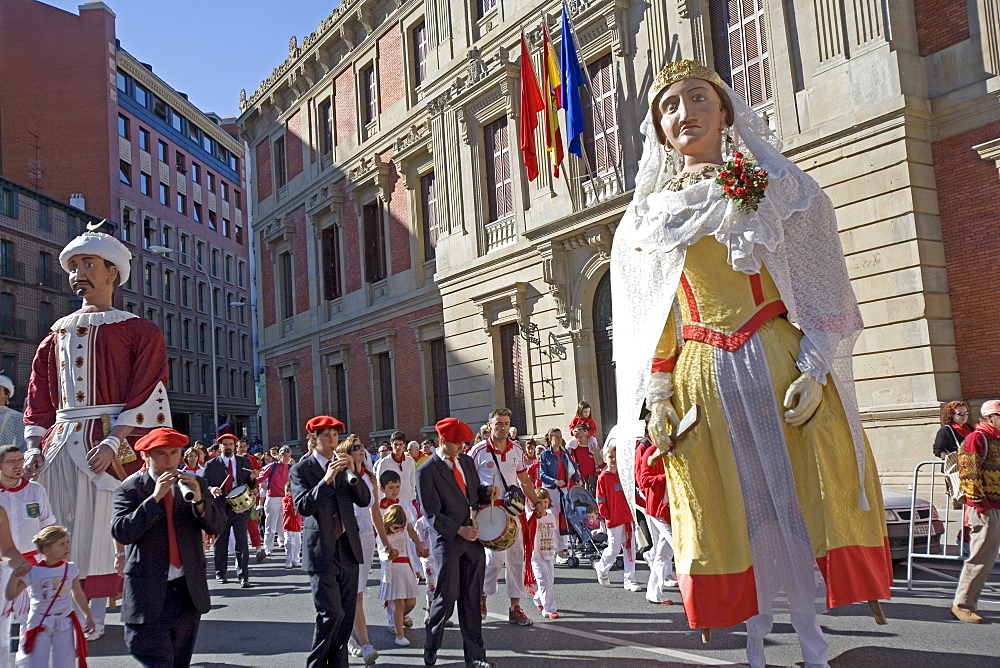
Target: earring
(727,140)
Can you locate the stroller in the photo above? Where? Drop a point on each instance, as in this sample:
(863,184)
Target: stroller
(582,542)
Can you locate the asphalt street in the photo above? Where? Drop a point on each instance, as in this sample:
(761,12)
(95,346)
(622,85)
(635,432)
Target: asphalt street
(271,625)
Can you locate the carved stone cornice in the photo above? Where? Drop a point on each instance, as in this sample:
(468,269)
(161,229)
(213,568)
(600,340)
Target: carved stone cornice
(491,303)
(554,274)
(990,151)
(277,232)
(370,170)
(328,198)
(413,144)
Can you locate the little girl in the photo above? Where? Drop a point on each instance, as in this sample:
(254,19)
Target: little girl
(543,553)
(583,417)
(291,522)
(399,587)
(53,635)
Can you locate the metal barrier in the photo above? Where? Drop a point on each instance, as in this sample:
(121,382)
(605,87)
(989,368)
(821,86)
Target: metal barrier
(925,526)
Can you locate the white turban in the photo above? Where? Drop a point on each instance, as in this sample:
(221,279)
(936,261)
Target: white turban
(8,385)
(103,246)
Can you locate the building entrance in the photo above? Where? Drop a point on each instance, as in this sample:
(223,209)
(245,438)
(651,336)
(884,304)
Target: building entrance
(603,335)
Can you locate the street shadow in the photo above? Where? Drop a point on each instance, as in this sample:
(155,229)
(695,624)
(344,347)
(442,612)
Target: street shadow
(888,657)
(227,637)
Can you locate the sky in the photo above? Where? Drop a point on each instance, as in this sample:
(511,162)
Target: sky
(210,49)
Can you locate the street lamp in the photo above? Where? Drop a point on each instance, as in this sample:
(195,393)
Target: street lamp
(166,250)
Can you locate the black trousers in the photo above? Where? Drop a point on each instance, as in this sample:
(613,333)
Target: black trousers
(461,571)
(168,643)
(335,594)
(238,523)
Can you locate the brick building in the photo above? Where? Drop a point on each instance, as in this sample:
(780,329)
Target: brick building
(34,291)
(82,117)
(404,116)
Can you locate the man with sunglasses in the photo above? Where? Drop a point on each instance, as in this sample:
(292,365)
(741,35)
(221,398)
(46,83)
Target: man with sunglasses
(28,510)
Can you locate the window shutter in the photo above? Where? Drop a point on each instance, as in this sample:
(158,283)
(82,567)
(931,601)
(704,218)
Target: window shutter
(602,140)
(739,32)
(498,175)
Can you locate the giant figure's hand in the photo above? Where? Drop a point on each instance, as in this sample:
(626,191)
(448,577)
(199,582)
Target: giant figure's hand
(661,422)
(802,399)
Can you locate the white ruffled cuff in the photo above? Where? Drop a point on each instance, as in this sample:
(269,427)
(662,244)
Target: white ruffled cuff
(811,362)
(661,386)
(33,430)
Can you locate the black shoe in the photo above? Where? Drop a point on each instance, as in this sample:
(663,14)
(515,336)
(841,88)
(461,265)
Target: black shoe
(220,579)
(480,663)
(261,555)
(430,657)
(244,584)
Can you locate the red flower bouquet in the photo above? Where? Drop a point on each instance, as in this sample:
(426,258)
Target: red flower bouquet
(742,181)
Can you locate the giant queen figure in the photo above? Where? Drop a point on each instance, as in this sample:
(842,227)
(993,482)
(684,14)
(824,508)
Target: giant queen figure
(98,383)
(775,502)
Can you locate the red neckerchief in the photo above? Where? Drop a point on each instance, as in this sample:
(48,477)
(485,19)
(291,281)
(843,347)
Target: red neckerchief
(188,468)
(16,488)
(398,461)
(503,455)
(987,429)
(962,430)
(385,503)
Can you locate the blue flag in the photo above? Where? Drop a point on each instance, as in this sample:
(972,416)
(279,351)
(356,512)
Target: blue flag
(572,79)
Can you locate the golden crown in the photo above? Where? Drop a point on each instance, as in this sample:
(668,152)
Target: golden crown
(679,70)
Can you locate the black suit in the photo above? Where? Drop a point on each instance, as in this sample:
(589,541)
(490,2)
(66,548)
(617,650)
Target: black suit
(332,562)
(161,618)
(461,564)
(215,475)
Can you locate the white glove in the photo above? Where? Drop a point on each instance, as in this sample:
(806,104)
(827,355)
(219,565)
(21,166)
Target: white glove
(802,399)
(661,422)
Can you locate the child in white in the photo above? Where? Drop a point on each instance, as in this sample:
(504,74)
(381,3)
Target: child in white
(423,529)
(53,635)
(399,588)
(543,555)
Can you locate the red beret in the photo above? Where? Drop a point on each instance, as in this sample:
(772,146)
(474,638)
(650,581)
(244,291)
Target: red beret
(163,437)
(454,430)
(225,436)
(324,422)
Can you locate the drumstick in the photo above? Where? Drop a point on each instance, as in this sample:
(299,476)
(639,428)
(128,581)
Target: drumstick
(225,481)
(246,469)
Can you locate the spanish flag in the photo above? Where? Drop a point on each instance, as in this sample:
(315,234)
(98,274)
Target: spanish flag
(552,92)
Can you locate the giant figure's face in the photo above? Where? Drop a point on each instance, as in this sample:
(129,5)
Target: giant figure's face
(90,278)
(692,117)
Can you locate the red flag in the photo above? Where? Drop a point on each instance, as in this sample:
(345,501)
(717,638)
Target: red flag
(531,104)
(553,97)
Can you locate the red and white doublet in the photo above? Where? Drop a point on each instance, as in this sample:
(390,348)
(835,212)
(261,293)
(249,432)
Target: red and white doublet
(91,372)
(511,463)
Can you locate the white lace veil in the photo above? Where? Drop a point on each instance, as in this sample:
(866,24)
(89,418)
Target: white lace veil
(793,233)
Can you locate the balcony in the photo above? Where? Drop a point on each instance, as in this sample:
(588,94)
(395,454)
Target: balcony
(48,279)
(500,233)
(15,328)
(599,189)
(12,270)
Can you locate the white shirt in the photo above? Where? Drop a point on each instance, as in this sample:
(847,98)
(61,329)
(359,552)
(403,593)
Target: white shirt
(546,531)
(511,463)
(43,582)
(29,511)
(173,572)
(407,476)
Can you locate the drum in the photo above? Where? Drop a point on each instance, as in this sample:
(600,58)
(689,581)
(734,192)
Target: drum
(497,529)
(240,499)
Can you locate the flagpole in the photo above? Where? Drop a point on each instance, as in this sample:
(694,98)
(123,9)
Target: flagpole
(593,102)
(545,64)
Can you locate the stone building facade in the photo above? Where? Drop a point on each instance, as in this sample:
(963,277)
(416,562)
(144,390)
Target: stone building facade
(85,122)
(891,105)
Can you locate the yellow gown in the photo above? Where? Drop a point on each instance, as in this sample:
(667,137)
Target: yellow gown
(738,358)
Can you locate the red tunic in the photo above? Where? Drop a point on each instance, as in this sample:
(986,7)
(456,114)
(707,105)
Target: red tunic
(92,364)
(652,480)
(589,421)
(611,501)
(291,520)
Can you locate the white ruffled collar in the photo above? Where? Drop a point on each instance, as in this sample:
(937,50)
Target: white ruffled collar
(91,319)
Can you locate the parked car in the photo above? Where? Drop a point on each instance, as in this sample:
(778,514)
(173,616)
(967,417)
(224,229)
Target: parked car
(897,521)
